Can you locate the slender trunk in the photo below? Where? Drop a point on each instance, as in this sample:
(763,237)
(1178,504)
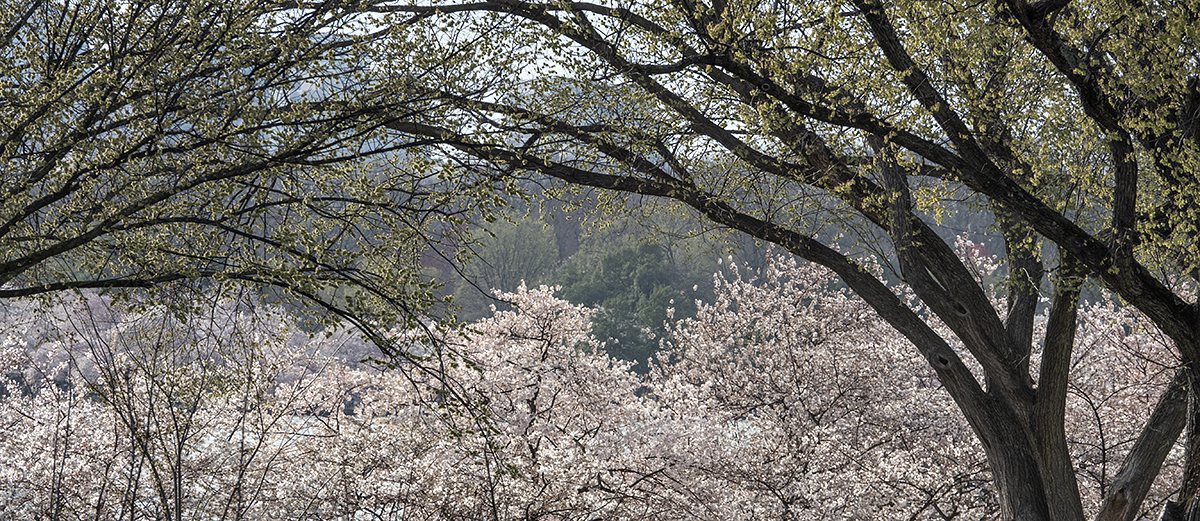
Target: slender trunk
(1187,504)
(1144,461)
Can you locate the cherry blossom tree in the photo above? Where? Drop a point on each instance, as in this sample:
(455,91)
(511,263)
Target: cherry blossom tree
(225,415)
(158,414)
(799,377)
(823,412)
(776,401)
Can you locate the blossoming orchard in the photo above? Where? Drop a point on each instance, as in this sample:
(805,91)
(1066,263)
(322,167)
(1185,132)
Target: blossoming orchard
(777,401)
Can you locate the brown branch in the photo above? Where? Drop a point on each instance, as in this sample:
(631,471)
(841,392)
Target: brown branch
(1144,461)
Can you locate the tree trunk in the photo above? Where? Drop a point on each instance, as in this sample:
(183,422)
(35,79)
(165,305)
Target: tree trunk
(1186,507)
(1144,461)
(1019,485)
(1029,487)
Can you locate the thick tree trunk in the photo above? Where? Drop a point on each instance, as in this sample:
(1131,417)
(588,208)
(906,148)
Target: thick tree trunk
(1018,483)
(1028,476)
(1019,425)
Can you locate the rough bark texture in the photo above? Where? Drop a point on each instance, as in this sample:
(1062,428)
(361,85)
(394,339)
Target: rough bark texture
(1187,505)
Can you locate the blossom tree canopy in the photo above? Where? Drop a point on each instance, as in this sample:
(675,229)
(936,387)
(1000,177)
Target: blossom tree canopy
(776,401)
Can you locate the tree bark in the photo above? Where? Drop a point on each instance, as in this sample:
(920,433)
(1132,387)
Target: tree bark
(1187,505)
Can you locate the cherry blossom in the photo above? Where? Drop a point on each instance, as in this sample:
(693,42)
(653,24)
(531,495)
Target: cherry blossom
(784,398)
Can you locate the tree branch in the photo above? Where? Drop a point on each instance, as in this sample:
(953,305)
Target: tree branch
(1144,461)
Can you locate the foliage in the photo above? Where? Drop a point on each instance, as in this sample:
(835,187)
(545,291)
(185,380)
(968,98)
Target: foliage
(150,416)
(633,287)
(150,142)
